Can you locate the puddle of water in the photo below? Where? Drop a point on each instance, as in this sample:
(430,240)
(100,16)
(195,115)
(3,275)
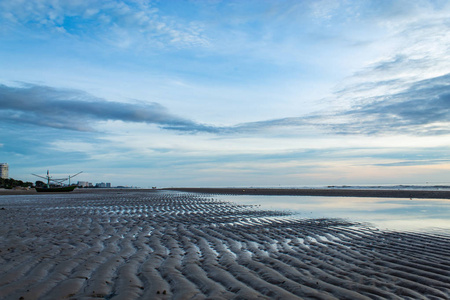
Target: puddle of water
(384,213)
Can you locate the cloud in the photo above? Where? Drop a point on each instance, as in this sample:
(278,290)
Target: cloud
(422,109)
(414,163)
(77,110)
(120,23)
(404,91)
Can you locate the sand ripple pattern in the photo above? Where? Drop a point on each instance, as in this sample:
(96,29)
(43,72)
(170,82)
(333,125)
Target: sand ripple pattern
(162,245)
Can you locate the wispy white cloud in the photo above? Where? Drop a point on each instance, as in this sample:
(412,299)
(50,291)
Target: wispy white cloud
(118,23)
(265,69)
(422,109)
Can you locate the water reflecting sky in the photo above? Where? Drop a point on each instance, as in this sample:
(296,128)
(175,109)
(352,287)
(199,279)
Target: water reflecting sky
(384,213)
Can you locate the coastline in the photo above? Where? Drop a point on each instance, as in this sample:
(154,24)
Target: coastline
(10,192)
(387,193)
(341,192)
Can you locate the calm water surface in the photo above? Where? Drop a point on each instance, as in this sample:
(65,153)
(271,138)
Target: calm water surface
(384,213)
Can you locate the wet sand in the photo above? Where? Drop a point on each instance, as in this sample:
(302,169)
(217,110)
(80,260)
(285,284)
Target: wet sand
(131,244)
(340,192)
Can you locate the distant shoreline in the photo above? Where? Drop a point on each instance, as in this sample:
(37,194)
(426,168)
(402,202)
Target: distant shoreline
(422,194)
(341,192)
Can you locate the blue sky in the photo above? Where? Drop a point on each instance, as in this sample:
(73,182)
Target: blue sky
(226,93)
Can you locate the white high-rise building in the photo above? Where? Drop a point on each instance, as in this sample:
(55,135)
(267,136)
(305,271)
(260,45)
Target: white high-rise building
(83,183)
(4,169)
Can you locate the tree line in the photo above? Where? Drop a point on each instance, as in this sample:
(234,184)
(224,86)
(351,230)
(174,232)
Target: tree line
(9,183)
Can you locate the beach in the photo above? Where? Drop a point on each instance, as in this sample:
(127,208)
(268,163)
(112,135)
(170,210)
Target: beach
(331,192)
(145,244)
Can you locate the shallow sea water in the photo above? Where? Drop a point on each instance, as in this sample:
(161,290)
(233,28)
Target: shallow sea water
(430,215)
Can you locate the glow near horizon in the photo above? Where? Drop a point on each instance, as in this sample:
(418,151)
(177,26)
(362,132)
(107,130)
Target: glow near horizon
(226,93)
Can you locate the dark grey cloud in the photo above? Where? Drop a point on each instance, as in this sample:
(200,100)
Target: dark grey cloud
(421,109)
(77,110)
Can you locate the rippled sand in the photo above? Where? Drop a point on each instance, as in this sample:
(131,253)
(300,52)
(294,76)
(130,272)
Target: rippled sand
(162,245)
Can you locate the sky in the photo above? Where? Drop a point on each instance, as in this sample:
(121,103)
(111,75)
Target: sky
(226,93)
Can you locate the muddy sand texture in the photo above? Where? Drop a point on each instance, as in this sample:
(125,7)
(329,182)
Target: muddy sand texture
(160,245)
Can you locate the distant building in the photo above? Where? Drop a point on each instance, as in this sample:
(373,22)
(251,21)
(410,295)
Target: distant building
(4,171)
(103,185)
(84,183)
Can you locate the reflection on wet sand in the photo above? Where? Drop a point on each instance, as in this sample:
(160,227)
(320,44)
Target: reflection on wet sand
(385,213)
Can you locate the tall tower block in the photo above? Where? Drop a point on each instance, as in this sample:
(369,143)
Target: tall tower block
(4,169)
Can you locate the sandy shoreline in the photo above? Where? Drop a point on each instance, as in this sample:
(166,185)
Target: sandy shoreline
(422,194)
(133,244)
(341,192)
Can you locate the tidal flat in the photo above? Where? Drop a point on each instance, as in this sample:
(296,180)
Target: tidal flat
(144,244)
